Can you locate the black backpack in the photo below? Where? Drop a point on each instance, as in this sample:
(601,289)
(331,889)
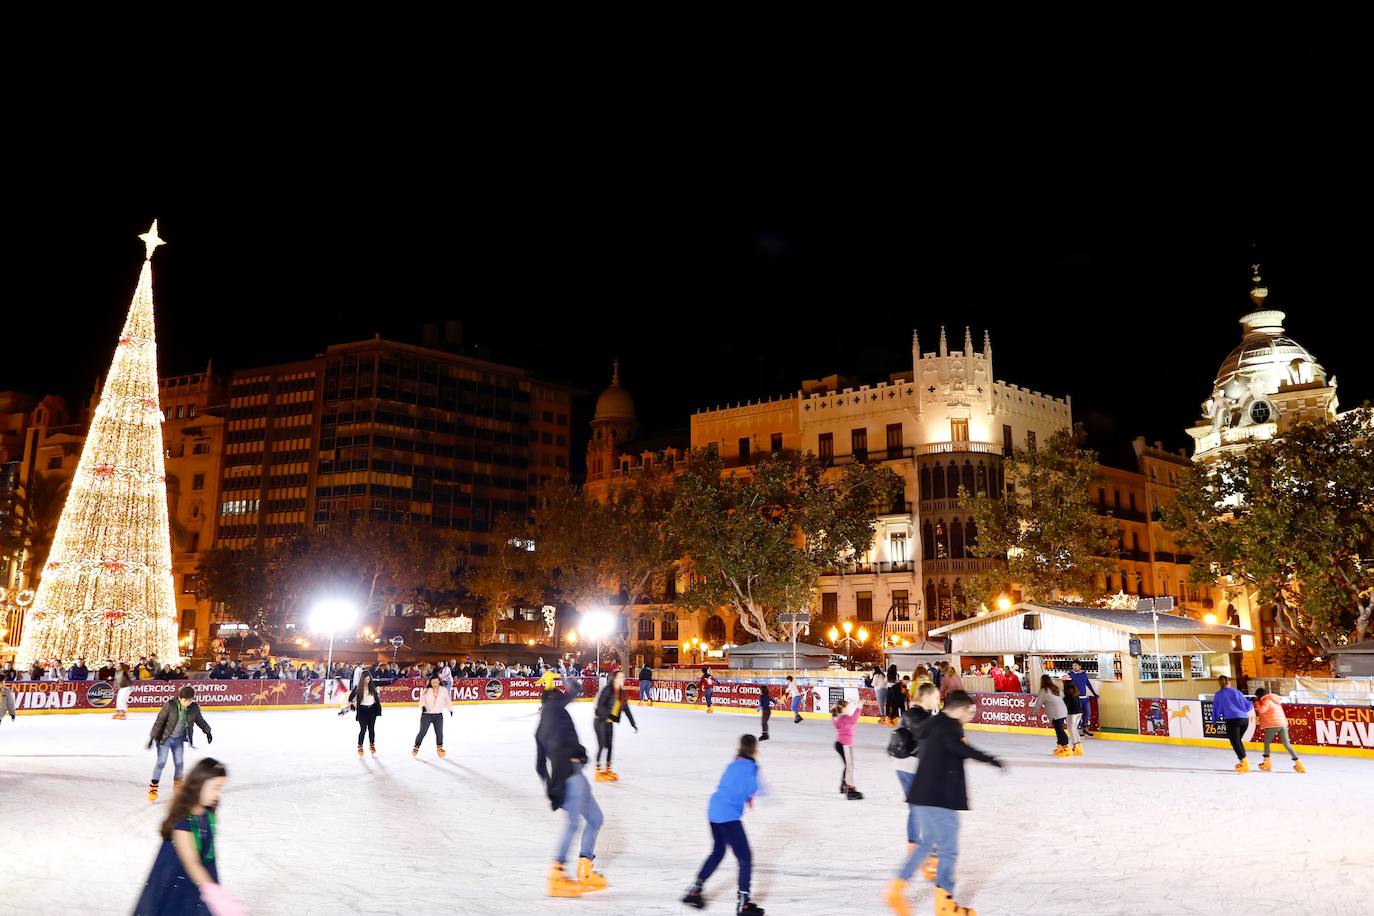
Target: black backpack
(902,743)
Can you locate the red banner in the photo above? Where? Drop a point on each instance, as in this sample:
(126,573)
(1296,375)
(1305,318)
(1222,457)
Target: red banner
(1014,709)
(474,689)
(731,695)
(1309,724)
(59,695)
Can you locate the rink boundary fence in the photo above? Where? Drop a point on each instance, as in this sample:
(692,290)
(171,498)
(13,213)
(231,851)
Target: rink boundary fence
(1314,750)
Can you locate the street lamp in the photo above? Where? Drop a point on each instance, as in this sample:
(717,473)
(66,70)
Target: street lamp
(849,640)
(1003,603)
(597,624)
(330,616)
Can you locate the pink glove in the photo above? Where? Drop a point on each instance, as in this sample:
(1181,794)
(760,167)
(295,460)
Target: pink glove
(220,902)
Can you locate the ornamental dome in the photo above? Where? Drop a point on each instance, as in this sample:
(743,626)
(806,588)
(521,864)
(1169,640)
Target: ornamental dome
(615,402)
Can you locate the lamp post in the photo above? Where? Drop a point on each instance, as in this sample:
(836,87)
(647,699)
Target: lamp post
(597,624)
(330,616)
(848,640)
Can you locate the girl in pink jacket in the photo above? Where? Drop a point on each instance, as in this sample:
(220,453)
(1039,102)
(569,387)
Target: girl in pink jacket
(434,702)
(844,721)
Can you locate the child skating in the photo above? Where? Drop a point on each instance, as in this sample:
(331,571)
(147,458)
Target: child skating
(794,696)
(939,794)
(766,702)
(1272,721)
(559,759)
(185,875)
(434,702)
(1073,703)
(171,732)
(610,704)
(844,720)
(736,790)
(1049,700)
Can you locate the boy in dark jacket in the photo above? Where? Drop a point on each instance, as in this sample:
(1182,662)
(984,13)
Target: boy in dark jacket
(171,732)
(765,709)
(611,703)
(939,794)
(559,759)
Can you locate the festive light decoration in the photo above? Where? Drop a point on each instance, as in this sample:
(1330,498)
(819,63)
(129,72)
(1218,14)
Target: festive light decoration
(106,589)
(459,624)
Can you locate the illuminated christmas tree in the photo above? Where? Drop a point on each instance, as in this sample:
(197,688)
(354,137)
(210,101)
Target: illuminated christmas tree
(106,589)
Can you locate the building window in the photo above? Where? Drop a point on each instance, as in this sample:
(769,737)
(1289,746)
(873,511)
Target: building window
(830,607)
(645,630)
(894,441)
(826,448)
(1200,668)
(863,604)
(901,609)
(958,430)
(714,631)
(1030,439)
(1007,444)
(744,450)
(669,628)
(897,550)
(1269,627)
(858,444)
(194,546)
(1173,667)
(198,482)
(55,463)
(775,443)
(200,448)
(1132,498)
(925,483)
(188,583)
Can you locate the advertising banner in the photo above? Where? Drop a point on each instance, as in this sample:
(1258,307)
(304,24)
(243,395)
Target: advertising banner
(1014,709)
(60,695)
(1322,726)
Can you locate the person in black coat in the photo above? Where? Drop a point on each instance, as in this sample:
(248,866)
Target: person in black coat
(368,704)
(221,671)
(766,702)
(610,704)
(559,759)
(939,793)
(172,730)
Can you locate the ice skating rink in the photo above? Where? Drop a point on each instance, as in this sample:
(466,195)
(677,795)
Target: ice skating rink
(307,829)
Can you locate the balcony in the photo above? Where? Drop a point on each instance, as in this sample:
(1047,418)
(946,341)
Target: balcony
(1127,515)
(1184,558)
(1139,556)
(869,456)
(967,564)
(941,505)
(878,567)
(960,448)
(1164,556)
(898,508)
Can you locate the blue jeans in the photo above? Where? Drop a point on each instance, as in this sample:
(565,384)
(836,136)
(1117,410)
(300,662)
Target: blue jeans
(1085,723)
(913,829)
(178,748)
(580,806)
(730,833)
(708,697)
(939,834)
(796,706)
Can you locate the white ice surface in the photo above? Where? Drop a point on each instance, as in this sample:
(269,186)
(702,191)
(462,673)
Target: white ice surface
(1131,828)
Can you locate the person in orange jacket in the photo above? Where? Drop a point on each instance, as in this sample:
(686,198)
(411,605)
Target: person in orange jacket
(1271,720)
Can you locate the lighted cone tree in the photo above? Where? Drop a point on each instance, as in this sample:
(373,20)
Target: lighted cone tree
(106,589)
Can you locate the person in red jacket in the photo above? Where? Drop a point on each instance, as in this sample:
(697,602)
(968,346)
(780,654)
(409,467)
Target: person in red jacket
(706,684)
(1271,721)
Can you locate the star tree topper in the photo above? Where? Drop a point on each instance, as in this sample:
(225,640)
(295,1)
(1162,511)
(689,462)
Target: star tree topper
(151,240)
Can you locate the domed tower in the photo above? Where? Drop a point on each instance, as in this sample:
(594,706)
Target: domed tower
(613,424)
(1267,383)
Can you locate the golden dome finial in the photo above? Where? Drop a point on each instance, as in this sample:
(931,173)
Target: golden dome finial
(1260,292)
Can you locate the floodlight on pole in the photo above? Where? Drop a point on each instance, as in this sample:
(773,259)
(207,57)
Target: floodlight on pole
(331,615)
(597,624)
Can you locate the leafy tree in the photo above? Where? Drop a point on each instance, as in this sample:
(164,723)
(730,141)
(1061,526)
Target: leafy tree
(240,580)
(758,538)
(503,578)
(1290,519)
(1046,536)
(639,550)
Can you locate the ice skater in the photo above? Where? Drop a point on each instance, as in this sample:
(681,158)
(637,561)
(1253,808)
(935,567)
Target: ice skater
(939,793)
(172,730)
(124,688)
(1231,706)
(646,685)
(725,812)
(1087,694)
(879,681)
(765,710)
(904,748)
(794,697)
(185,875)
(7,705)
(610,704)
(844,722)
(707,685)
(1073,703)
(1049,700)
(559,759)
(894,686)
(368,706)
(1272,721)
(434,702)
(446,680)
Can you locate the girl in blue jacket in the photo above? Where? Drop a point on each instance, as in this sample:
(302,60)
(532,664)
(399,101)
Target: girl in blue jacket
(738,786)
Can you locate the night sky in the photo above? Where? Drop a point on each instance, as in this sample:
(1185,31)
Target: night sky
(707,291)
